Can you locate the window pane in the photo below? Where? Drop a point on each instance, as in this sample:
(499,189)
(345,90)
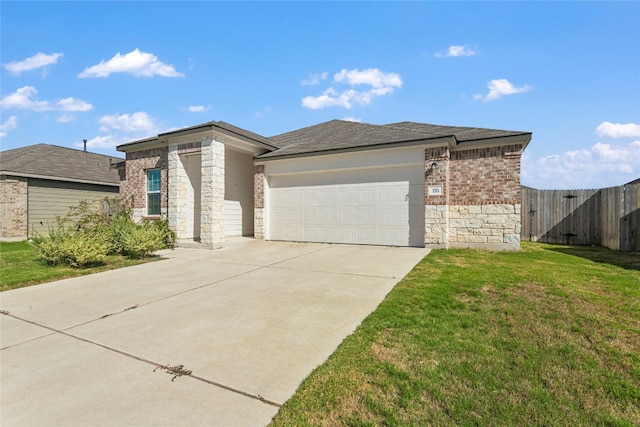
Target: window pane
(153,204)
(153,180)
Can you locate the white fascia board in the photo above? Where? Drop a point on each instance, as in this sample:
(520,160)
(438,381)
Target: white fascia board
(494,142)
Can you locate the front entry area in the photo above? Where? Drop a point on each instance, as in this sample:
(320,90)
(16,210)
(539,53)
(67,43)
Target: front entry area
(210,191)
(373,206)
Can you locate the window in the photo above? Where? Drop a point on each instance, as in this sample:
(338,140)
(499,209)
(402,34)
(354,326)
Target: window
(153,192)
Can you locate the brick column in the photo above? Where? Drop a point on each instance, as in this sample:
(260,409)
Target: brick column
(436,197)
(212,209)
(13,209)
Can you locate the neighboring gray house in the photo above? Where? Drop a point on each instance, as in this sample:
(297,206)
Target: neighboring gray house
(40,182)
(401,184)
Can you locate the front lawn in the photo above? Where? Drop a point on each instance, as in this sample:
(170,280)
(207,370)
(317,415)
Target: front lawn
(546,336)
(19,266)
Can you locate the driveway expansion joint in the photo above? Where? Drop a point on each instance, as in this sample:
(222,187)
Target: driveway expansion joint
(177,370)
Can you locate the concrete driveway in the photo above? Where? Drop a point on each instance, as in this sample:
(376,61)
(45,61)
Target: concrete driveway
(250,322)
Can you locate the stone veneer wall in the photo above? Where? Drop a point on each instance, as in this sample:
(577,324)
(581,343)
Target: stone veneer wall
(13,208)
(484,198)
(212,203)
(181,197)
(133,187)
(258,202)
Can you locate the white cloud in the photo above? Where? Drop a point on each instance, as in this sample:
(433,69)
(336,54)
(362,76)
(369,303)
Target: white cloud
(500,87)
(65,118)
(25,98)
(370,76)
(71,104)
(136,122)
(197,108)
(603,165)
(455,51)
(10,124)
(39,60)
(381,83)
(352,119)
(140,64)
(618,130)
(314,79)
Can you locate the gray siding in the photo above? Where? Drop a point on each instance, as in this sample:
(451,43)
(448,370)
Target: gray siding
(49,199)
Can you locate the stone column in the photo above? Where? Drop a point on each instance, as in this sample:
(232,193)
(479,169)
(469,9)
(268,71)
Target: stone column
(212,207)
(258,202)
(179,209)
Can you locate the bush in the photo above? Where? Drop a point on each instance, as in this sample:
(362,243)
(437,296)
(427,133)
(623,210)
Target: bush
(77,249)
(91,231)
(143,239)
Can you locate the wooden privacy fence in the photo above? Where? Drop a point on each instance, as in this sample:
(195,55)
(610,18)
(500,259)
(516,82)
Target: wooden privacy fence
(609,217)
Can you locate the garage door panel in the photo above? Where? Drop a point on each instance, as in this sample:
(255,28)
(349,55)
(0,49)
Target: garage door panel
(379,212)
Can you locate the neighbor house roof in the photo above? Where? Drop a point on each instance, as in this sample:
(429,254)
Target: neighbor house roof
(338,135)
(59,163)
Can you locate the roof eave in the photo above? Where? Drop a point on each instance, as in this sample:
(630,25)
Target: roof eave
(58,178)
(496,141)
(431,142)
(141,144)
(163,138)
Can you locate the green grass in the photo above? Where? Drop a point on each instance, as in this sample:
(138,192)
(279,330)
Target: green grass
(19,266)
(546,336)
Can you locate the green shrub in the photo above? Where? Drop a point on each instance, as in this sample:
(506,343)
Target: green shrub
(168,235)
(93,230)
(143,239)
(115,233)
(77,249)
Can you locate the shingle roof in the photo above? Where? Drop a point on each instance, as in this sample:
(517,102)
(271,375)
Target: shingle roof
(462,134)
(202,127)
(60,163)
(339,134)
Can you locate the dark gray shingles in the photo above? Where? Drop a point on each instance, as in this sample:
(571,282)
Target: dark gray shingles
(60,162)
(339,134)
(462,134)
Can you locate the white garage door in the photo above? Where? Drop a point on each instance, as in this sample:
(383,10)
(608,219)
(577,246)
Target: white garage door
(374,206)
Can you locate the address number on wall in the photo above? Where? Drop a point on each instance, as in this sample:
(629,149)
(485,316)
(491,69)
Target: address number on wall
(435,190)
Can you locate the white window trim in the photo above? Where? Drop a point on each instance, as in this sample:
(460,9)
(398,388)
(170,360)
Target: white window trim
(147,192)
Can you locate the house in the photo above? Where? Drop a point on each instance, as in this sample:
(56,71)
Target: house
(40,182)
(401,184)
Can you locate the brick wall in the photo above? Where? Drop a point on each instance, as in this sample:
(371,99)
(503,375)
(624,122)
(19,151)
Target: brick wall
(13,208)
(437,174)
(133,187)
(480,203)
(485,176)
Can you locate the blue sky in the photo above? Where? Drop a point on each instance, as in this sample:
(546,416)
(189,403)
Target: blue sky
(112,72)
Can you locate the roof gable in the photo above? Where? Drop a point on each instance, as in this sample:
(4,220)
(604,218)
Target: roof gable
(59,163)
(235,131)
